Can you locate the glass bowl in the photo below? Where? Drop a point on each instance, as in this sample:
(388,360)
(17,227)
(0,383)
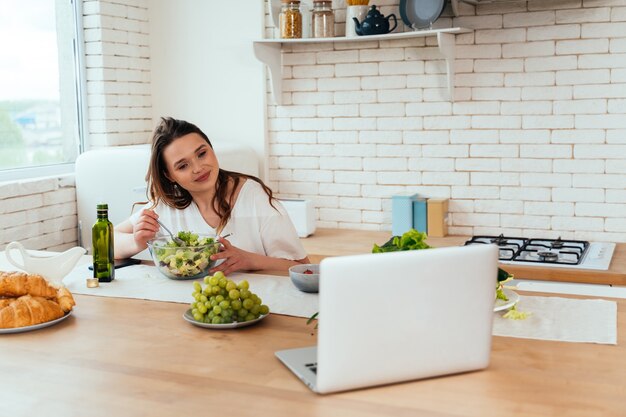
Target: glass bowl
(183,262)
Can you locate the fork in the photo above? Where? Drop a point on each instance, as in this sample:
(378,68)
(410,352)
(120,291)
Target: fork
(176,239)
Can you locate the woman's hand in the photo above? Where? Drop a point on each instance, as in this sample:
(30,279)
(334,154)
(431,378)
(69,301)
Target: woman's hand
(235,259)
(146,228)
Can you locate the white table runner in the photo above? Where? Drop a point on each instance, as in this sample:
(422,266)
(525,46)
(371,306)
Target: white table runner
(563,319)
(552,318)
(146,282)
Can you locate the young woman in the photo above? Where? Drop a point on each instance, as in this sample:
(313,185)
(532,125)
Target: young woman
(189,192)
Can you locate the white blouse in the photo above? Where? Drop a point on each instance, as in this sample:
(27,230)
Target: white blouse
(255,225)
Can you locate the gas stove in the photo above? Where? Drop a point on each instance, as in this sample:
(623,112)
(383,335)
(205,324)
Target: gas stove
(558,253)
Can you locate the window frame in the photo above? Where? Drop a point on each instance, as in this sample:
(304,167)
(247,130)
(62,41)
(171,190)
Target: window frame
(80,87)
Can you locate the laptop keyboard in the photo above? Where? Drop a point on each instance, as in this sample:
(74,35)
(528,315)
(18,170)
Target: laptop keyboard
(312,367)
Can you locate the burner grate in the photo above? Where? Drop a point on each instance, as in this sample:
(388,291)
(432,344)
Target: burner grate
(553,251)
(509,247)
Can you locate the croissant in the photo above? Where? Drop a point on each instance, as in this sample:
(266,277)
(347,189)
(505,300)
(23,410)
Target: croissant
(17,284)
(65,299)
(27,311)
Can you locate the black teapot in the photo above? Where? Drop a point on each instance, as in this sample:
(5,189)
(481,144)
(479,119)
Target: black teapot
(374,23)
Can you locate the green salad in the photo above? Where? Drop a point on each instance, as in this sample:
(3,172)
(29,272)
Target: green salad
(410,240)
(185,261)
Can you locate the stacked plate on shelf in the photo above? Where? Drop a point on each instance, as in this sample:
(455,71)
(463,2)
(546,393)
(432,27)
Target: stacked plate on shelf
(421,14)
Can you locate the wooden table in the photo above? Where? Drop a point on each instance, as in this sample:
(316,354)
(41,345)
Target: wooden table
(334,242)
(121,357)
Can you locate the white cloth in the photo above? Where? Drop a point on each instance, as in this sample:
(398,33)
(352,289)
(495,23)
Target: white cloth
(552,318)
(255,225)
(561,319)
(147,283)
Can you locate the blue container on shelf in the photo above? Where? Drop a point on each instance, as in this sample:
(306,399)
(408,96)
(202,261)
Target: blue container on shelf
(420,215)
(402,213)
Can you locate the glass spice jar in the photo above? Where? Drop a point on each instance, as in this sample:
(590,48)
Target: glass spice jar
(323,19)
(290,19)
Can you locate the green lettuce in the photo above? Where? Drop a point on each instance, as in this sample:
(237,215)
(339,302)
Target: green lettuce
(410,240)
(515,314)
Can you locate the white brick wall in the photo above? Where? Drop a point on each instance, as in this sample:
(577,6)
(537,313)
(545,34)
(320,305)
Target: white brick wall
(534,144)
(118,76)
(40,213)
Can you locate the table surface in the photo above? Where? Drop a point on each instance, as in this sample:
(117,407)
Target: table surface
(119,357)
(123,357)
(334,242)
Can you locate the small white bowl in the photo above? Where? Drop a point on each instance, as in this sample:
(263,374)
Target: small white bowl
(305,282)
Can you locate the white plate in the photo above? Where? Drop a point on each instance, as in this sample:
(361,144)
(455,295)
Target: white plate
(35,326)
(187,316)
(503,305)
(421,14)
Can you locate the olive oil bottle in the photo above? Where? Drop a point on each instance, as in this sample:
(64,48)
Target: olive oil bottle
(102,248)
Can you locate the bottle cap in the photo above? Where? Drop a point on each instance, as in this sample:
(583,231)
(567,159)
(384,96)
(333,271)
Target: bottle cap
(102,206)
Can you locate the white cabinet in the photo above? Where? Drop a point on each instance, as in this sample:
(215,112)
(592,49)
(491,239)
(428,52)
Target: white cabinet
(269,51)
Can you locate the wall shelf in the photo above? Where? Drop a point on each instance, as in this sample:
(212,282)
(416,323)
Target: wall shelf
(269,51)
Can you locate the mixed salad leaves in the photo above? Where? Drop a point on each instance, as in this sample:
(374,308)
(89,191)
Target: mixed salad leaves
(515,314)
(410,240)
(186,261)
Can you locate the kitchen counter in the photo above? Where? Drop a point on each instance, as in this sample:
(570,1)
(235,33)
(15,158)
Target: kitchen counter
(333,242)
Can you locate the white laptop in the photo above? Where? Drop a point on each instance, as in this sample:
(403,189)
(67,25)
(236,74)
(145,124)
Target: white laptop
(400,316)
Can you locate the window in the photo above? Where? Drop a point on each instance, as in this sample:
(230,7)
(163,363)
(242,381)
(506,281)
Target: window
(39,88)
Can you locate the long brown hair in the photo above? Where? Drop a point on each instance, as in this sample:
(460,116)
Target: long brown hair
(160,188)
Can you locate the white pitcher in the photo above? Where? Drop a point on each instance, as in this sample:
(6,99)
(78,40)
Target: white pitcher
(360,12)
(54,268)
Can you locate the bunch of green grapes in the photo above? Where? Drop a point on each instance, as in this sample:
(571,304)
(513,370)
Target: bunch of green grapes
(223,301)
